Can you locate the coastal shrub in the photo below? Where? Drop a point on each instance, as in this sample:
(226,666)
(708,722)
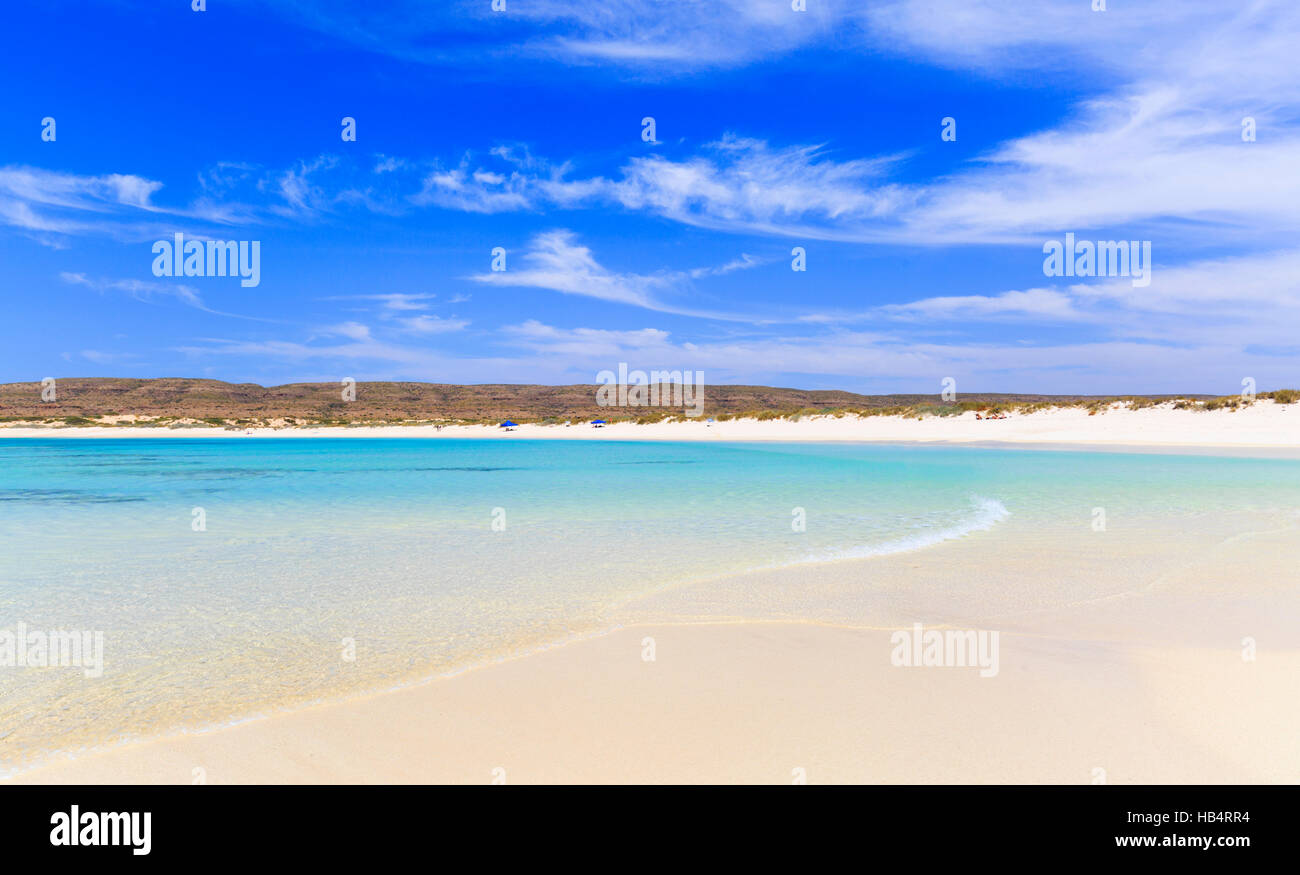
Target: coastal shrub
(1285,396)
(1232,402)
(895,410)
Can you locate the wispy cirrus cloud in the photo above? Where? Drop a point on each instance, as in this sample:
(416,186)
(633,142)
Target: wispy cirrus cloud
(1169,86)
(733,184)
(557,262)
(1170,83)
(1036,304)
(396,301)
(48,201)
(428,324)
(648,36)
(653,38)
(53,205)
(1240,301)
(101,357)
(1122,161)
(151,292)
(406,312)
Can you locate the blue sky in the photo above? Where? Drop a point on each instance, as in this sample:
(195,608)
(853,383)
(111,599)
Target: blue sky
(774,129)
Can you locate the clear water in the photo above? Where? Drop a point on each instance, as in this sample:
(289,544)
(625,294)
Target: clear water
(331,566)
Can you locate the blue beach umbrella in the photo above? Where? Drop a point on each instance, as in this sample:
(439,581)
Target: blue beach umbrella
(508,424)
(599,422)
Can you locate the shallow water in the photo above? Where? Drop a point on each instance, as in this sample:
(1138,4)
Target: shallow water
(326,566)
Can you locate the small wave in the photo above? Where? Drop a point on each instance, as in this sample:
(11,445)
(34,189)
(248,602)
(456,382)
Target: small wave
(62,496)
(399,470)
(988,513)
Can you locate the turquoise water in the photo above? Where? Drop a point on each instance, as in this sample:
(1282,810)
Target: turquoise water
(328,566)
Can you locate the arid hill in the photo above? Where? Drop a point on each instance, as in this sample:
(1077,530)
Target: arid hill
(224,403)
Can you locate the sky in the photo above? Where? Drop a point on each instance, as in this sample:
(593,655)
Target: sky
(915,156)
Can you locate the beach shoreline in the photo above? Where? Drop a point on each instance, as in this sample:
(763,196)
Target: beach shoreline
(1264,426)
(718,681)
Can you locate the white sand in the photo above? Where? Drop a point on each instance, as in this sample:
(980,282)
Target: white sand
(1264,424)
(752,703)
(1120,651)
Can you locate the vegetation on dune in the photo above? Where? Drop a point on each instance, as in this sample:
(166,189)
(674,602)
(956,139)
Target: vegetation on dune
(181,403)
(1231,401)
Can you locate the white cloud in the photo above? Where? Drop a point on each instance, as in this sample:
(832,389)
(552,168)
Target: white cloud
(303,198)
(391,301)
(1157,146)
(473,191)
(354,330)
(643,35)
(1039,304)
(1237,302)
(744,262)
(66,203)
(150,292)
(744,184)
(557,262)
(100,357)
(426,324)
(1146,160)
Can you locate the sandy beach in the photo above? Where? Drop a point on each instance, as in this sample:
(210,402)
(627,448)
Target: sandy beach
(753,703)
(774,676)
(1264,424)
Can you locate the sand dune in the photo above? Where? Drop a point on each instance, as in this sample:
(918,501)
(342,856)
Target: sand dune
(1265,424)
